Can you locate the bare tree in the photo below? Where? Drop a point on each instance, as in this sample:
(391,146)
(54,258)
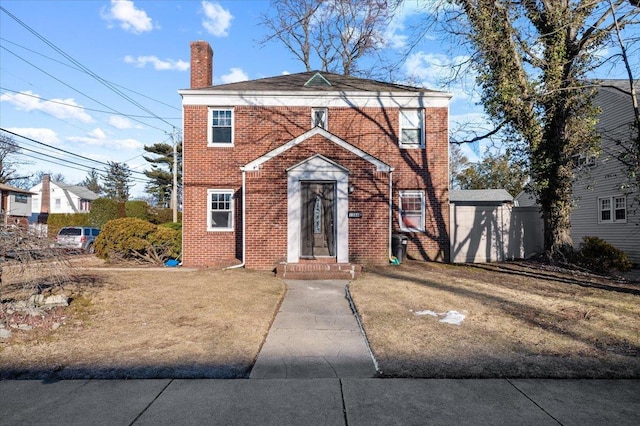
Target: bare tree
(335,34)
(533,59)
(8,164)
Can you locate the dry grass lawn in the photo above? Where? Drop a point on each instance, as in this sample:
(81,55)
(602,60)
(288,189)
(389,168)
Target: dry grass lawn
(522,322)
(148,324)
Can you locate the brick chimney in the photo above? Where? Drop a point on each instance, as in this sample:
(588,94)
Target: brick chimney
(45,198)
(201,64)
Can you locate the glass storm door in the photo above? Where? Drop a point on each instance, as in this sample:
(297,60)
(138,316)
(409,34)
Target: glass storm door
(317,233)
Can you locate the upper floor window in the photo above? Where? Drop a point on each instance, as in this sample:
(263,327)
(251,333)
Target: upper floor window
(412,211)
(411,128)
(580,160)
(21,198)
(319,118)
(220,126)
(220,214)
(612,209)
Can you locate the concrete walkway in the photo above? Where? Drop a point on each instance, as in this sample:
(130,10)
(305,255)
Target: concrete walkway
(314,335)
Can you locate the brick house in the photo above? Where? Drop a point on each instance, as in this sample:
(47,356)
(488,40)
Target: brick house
(311,169)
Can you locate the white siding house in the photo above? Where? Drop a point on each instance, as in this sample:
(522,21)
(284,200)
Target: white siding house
(606,206)
(57,197)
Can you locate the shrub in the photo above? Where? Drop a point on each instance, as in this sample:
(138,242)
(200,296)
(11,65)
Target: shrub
(598,255)
(102,211)
(177,226)
(136,239)
(159,215)
(137,209)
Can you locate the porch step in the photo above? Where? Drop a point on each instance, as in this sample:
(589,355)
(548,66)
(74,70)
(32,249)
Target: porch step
(318,271)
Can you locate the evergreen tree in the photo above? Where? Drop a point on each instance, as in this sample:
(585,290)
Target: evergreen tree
(161,173)
(117,181)
(92,182)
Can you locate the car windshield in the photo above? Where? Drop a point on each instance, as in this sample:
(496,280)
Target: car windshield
(70,231)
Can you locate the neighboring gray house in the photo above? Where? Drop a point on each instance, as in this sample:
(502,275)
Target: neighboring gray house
(605,205)
(15,205)
(486,226)
(57,197)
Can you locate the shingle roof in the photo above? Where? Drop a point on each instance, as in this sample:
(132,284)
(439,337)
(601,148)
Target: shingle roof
(9,188)
(80,191)
(314,81)
(479,195)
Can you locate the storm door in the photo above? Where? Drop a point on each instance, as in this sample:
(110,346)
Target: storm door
(317,224)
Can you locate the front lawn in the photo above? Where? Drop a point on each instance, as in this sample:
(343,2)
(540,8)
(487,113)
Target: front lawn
(521,321)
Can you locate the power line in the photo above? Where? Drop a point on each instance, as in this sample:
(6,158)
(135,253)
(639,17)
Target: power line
(83,68)
(79,106)
(61,150)
(77,69)
(76,90)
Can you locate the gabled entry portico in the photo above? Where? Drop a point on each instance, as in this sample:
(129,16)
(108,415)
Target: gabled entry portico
(318,205)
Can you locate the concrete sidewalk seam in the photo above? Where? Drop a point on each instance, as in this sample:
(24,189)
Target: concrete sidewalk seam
(364,333)
(144,410)
(534,402)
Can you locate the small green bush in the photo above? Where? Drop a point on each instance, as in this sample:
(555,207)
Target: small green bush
(136,239)
(598,255)
(102,211)
(177,226)
(137,209)
(160,215)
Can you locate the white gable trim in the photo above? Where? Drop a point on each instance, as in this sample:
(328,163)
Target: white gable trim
(255,164)
(318,162)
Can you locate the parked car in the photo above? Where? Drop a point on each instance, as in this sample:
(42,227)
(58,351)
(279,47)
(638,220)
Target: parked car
(77,237)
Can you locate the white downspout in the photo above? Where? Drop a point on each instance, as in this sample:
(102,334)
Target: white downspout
(244,223)
(390,213)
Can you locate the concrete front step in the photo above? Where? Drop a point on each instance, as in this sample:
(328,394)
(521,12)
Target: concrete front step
(318,271)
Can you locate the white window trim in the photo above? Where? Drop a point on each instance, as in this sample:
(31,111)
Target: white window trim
(612,209)
(423,210)
(326,117)
(422,138)
(210,127)
(210,228)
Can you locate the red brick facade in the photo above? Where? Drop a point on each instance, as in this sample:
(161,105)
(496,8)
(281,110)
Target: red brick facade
(260,129)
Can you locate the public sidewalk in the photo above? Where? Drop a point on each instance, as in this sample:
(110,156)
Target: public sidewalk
(347,401)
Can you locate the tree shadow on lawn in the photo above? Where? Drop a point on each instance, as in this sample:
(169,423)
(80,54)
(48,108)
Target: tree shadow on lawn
(506,268)
(535,316)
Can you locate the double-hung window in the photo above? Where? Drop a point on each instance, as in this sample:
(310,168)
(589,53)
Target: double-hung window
(612,209)
(412,211)
(411,128)
(220,126)
(220,210)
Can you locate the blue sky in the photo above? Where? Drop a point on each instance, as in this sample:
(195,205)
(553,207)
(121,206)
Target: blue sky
(140,49)
(100,78)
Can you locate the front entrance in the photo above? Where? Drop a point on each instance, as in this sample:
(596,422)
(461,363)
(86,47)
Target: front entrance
(317,224)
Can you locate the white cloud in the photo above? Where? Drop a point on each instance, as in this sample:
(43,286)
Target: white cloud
(217,19)
(47,136)
(130,19)
(158,64)
(60,108)
(97,137)
(120,122)
(234,76)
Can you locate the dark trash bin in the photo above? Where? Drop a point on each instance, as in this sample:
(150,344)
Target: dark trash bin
(399,246)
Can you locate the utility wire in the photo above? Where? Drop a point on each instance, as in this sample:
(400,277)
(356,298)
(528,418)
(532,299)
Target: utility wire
(76,90)
(83,68)
(79,106)
(77,69)
(61,150)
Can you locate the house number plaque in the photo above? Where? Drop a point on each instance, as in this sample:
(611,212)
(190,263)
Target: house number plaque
(355,215)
